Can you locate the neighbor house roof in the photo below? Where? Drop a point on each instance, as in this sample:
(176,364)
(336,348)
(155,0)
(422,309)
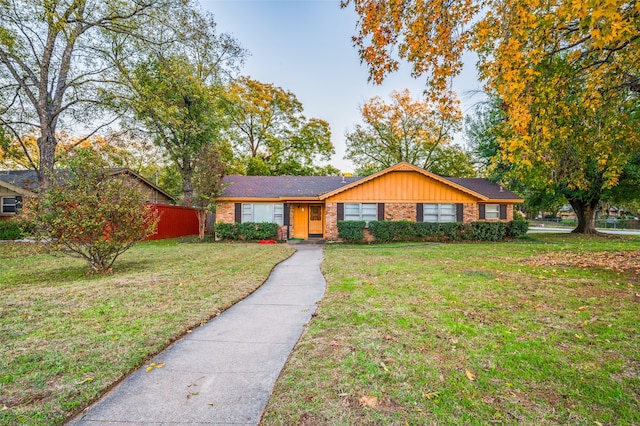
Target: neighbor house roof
(24,179)
(321,187)
(28,179)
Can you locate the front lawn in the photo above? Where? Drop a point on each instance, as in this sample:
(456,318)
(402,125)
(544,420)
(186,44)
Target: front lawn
(65,336)
(540,331)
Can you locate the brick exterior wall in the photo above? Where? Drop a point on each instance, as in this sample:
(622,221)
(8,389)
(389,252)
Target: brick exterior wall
(400,211)
(225,212)
(331,222)
(470,212)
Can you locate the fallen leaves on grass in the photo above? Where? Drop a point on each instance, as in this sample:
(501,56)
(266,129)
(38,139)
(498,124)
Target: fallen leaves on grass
(620,261)
(470,375)
(369,401)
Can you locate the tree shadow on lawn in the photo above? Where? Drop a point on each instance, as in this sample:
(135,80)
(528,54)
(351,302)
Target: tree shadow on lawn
(79,270)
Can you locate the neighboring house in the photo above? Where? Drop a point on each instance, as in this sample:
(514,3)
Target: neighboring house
(15,185)
(310,206)
(11,197)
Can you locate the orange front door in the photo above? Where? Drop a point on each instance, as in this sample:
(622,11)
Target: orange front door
(315,221)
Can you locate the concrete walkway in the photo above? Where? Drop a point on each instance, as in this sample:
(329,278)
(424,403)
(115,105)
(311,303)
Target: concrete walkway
(223,372)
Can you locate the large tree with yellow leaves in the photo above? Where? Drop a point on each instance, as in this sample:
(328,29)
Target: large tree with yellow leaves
(567,73)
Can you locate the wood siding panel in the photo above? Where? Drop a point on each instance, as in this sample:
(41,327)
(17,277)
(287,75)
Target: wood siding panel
(403,186)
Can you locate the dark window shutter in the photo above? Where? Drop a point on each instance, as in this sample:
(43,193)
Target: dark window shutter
(419,212)
(18,202)
(503,211)
(459,212)
(238,215)
(380,211)
(286,220)
(482,211)
(340,211)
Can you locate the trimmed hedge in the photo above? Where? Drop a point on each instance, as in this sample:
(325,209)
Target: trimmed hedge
(351,231)
(488,231)
(247,231)
(403,230)
(452,231)
(11,230)
(517,228)
(385,231)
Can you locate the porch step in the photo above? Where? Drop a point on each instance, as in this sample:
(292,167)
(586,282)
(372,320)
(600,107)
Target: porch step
(309,241)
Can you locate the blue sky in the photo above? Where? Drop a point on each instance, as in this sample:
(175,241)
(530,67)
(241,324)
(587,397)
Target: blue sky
(304,46)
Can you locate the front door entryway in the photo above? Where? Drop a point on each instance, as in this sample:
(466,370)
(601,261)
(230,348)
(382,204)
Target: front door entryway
(315,221)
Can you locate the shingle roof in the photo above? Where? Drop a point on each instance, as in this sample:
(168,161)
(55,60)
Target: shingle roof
(313,186)
(27,179)
(282,186)
(482,186)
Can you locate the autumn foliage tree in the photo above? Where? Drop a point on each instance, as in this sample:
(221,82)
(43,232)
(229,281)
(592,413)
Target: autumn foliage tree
(173,92)
(88,213)
(269,133)
(567,73)
(209,169)
(408,130)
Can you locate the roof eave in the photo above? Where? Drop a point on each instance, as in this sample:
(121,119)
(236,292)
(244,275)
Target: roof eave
(143,179)
(505,200)
(14,188)
(298,199)
(265,199)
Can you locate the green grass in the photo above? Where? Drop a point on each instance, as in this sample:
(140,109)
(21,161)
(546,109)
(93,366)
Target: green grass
(66,336)
(403,330)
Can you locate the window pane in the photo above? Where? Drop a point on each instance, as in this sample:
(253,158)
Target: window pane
(278,213)
(439,213)
(315,213)
(448,209)
(263,213)
(447,213)
(351,211)
(430,213)
(247,213)
(369,211)
(8,205)
(431,209)
(492,211)
(369,217)
(445,218)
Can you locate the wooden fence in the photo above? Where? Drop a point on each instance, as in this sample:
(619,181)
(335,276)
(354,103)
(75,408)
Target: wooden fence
(175,221)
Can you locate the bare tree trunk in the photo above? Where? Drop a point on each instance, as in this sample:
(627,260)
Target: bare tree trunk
(202,222)
(47,146)
(586,213)
(187,183)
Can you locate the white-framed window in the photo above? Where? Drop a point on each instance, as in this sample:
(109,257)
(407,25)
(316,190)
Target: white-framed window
(272,213)
(492,211)
(361,211)
(439,213)
(8,205)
